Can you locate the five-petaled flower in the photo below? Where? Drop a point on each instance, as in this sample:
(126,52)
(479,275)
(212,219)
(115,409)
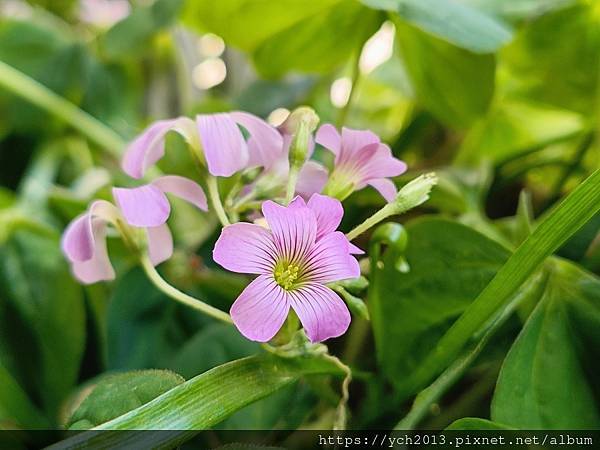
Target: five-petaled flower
(294,259)
(361,159)
(216,136)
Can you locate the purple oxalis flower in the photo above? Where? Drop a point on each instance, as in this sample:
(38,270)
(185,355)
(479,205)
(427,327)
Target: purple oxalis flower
(217,136)
(84,243)
(148,207)
(360,160)
(84,240)
(294,259)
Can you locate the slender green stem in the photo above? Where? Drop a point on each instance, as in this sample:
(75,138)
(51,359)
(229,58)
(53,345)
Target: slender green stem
(22,85)
(215,199)
(385,212)
(413,194)
(181,297)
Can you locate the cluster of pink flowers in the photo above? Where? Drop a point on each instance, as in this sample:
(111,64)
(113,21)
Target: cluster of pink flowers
(295,250)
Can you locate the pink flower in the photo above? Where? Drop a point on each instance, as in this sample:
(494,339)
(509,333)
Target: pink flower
(84,240)
(216,136)
(84,243)
(294,260)
(148,207)
(360,160)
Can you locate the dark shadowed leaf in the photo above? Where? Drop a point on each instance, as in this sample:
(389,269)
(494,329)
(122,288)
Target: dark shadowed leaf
(449,265)
(473,423)
(36,280)
(130,37)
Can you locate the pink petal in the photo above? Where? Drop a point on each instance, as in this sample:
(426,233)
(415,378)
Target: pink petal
(355,140)
(311,179)
(183,188)
(160,243)
(381,164)
(330,260)
(78,240)
(385,187)
(329,138)
(147,148)
(261,309)
(294,229)
(329,213)
(265,144)
(354,250)
(98,267)
(322,313)
(144,206)
(245,248)
(223,144)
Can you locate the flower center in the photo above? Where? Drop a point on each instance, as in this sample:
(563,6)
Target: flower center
(341,183)
(286,275)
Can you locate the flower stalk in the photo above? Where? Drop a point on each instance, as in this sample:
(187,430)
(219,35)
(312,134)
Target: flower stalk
(410,196)
(215,200)
(179,296)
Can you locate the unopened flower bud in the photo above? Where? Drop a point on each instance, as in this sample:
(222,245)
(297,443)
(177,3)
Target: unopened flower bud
(415,193)
(300,125)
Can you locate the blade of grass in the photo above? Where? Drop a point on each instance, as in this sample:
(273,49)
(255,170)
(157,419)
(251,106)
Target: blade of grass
(560,224)
(202,402)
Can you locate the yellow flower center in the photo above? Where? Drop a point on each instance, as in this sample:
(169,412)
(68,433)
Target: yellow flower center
(286,275)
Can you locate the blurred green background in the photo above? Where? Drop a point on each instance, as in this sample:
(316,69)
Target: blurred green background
(500,98)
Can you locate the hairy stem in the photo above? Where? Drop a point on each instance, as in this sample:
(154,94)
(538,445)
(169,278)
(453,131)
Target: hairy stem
(181,297)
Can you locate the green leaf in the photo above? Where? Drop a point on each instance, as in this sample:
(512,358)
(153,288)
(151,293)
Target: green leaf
(309,47)
(15,406)
(288,34)
(36,281)
(473,423)
(143,327)
(516,127)
(213,345)
(130,37)
(549,377)
(518,9)
(248,23)
(450,264)
(563,221)
(206,400)
(117,394)
(452,21)
(554,60)
(456,85)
